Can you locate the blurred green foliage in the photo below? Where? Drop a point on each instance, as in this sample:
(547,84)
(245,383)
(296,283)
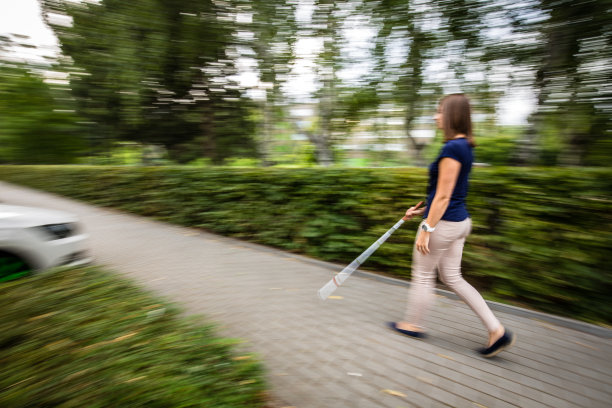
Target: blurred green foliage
(217,80)
(86,338)
(155,72)
(498,148)
(541,236)
(35,126)
(571,81)
(496,145)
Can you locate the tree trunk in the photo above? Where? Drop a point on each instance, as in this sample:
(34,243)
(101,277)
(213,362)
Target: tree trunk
(322,140)
(209,145)
(265,138)
(413,145)
(324,154)
(414,80)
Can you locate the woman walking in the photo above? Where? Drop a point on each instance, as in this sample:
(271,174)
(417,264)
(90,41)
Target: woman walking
(445,226)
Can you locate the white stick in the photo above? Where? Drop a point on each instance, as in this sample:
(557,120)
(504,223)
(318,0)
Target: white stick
(343,275)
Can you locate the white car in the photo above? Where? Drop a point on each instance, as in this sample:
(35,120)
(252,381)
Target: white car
(33,239)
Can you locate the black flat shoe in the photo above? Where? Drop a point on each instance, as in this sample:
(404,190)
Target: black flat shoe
(504,342)
(410,333)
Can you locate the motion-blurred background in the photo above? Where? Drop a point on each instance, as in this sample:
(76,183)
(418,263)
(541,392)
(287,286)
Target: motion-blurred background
(301,82)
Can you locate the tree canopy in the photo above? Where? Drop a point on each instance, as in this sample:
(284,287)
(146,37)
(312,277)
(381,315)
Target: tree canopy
(172,74)
(157,72)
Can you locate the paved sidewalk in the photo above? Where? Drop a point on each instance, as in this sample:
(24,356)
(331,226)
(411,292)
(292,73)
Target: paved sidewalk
(338,353)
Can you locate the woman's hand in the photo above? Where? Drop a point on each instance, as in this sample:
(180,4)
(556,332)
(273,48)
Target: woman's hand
(422,242)
(412,211)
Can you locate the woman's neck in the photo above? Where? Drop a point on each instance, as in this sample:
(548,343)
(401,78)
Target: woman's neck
(459,136)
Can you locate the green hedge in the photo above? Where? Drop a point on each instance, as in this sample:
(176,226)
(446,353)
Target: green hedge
(85,338)
(541,236)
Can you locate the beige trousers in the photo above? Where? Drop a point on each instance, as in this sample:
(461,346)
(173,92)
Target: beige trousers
(445,250)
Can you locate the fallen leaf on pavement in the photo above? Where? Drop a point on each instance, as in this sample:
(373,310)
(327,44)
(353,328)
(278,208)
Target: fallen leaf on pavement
(394,393)
(586,345)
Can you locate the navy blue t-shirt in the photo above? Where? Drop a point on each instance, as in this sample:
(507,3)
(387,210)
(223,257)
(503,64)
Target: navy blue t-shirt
(460,150)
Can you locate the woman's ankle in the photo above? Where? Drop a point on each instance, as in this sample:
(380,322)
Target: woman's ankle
(496,335)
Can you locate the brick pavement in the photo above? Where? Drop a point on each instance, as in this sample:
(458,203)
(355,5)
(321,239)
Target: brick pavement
(338,353)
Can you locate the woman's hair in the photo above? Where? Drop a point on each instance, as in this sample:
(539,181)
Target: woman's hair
(456,117)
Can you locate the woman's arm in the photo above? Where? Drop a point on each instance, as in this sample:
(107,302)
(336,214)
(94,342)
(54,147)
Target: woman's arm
(448,172)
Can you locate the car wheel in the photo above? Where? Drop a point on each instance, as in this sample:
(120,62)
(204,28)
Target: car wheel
(12,267)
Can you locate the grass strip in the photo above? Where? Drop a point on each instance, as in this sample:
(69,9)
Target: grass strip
(84,337)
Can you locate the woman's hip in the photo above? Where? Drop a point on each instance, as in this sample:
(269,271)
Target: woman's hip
(451,230)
